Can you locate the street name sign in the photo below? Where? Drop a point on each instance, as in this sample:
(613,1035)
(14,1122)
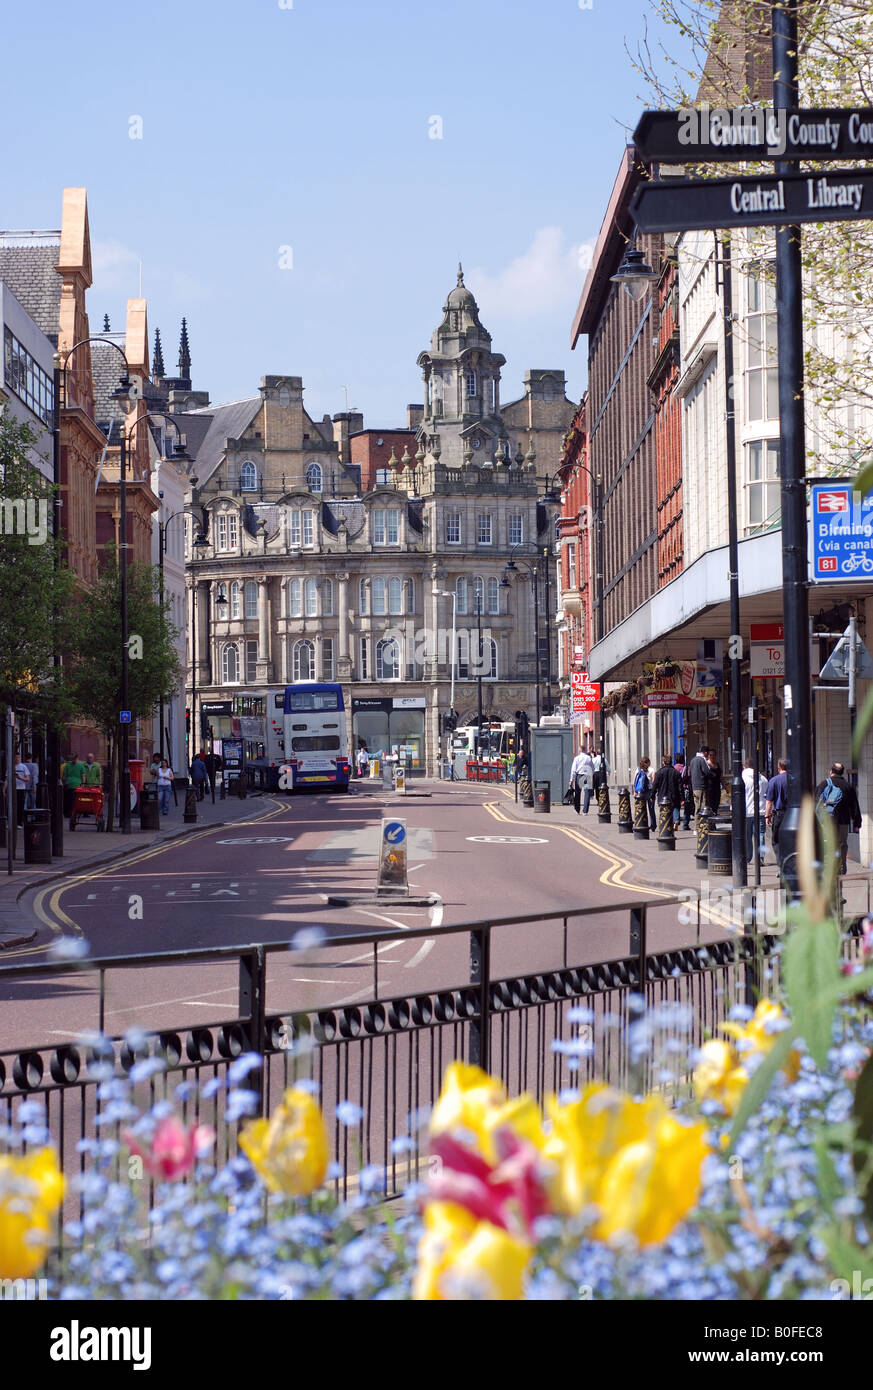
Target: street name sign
(683,204)
(708,135)
(841,547)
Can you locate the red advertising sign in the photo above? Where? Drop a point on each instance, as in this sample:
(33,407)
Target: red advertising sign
(766,632)
(584,695)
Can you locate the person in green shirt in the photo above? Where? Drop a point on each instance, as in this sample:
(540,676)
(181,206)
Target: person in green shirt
(72,776)
(93,773)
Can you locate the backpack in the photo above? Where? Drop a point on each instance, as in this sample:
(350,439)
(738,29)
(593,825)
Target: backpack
(830,798)
(641,781)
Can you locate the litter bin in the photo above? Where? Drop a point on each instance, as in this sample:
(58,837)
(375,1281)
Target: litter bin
(718,850)
(149,809)
(542,797)
(37,837)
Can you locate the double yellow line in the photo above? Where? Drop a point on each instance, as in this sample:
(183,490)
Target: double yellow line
(614,875)
(61,924)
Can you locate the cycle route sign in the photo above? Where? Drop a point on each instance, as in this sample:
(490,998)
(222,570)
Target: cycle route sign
(841,547)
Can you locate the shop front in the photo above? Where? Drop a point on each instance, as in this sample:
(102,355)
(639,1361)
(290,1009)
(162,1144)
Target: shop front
(391,727)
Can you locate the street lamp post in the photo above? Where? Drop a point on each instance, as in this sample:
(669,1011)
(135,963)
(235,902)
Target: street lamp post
(478,672)
(447,593)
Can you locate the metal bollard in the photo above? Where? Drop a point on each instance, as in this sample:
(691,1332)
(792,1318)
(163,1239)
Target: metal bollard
(525,788)
(666,834)
(190,816)
(701,854)
(604,814)
(641,817)
(625,819)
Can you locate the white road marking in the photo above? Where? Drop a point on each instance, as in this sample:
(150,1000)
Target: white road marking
(424,950)
(392,921)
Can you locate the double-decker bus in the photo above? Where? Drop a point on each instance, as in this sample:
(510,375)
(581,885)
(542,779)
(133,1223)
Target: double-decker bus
(316,742)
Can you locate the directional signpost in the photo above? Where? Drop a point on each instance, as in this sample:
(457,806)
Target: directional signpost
(708,135)
(681,204)
(842,533)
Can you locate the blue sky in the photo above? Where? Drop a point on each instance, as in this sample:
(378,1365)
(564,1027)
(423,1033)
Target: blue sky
(266,127)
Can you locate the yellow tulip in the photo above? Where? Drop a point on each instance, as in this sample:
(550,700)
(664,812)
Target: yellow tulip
(290,1150)
(31,1190)
(468,1097)
(630,1159)
(719,1076)
(759,1035)
(462,1258)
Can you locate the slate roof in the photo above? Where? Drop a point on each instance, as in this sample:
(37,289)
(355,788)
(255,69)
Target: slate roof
(29,271)
(225,422)
(106,369)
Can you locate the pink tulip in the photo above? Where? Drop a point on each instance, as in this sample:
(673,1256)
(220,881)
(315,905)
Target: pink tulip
(173,1148)
(510,1196)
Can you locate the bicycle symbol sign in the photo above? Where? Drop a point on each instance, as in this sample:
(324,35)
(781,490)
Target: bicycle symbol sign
(841,532)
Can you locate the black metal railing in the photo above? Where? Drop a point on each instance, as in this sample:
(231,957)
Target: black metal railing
(542,1032)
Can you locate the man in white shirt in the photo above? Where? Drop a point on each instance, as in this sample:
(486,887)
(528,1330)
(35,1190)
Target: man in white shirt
(749,784)
(582,779)
(22,786)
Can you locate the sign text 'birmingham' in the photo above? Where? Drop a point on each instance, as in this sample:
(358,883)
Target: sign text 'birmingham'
(705,135)
(682,204)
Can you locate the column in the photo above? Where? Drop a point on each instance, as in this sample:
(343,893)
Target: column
(344,665)
(202,597)
(262,666)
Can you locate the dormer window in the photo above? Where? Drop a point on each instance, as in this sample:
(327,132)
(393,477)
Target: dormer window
(248,477)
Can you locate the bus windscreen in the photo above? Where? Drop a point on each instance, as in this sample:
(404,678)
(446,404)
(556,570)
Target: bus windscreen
(310,701)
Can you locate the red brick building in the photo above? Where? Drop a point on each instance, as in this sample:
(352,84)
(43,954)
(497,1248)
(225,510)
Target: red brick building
(668,427)
(379,453)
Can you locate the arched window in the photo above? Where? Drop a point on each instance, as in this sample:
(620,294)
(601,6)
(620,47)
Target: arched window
(304,661)
(314,477)
(363,602)
(327,598)
(478,594)
(251,598)
(310,598)
(461,594)
(248,477)
(387,660)
(295,599)
(395,595)
(235,610)
(230,665)
(471,383)
(463,662)
(493,595)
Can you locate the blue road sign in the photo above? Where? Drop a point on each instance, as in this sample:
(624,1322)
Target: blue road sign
(841,533)
(124,716)
(395,832)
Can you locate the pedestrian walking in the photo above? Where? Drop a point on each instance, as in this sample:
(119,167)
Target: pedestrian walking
(72,776)
(93,773)
(643,788)
(776,805)
(199,776)
(22,784)
(749,784)
(582,780)
(363,759)
(712,790)
(667,787)
(687,807)
(30,800)
(836,797)
(165,786)
(698,773)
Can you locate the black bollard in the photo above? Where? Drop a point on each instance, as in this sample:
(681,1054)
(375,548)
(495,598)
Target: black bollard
(666,834)
(190,816)
(604,815)
(701,854)
(625,819)
(641,817)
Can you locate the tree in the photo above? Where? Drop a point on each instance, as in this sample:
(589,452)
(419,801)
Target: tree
(35,589)
(727,62)
(153,665)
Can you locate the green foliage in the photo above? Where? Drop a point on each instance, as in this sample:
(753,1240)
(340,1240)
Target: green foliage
(862,1113)
(95,681)
(811,969)
(35,591)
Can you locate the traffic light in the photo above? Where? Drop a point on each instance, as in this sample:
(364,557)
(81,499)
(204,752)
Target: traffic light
(204,725)
(188,723)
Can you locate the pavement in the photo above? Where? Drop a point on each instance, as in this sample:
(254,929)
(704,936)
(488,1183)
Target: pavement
(86,848)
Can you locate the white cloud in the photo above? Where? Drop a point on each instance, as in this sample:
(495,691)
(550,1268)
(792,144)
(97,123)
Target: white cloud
(547,276)
(114,266)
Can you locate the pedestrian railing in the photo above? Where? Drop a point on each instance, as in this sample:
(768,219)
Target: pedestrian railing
(630,1021)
